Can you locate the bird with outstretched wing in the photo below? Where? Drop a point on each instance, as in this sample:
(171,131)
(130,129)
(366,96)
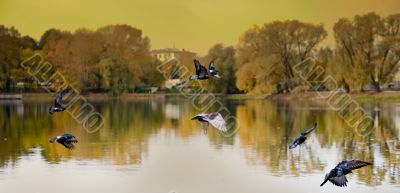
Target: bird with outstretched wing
(302,138)
(337,175)
(215,119)
(66,140)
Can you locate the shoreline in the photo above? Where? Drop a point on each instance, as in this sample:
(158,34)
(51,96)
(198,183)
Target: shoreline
(366,97)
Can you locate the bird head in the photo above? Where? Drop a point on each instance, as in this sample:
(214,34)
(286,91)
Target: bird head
(52,140)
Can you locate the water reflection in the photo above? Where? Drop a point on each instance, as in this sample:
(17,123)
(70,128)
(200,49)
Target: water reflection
(266,130)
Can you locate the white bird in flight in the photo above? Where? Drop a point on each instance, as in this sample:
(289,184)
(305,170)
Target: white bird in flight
(215,119)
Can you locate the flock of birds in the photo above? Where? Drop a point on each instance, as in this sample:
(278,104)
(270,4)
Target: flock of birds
(336,176)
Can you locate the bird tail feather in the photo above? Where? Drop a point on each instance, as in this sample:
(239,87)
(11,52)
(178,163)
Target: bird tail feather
(324,182)
(326,179)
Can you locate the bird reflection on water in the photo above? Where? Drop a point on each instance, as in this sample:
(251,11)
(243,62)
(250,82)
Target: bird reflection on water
(139,138)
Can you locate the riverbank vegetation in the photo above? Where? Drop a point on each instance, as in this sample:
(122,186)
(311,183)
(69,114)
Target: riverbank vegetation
(117,59)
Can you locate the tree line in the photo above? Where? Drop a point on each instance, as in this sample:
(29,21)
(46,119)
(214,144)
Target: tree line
(366,53)
(117,58)
(114,59)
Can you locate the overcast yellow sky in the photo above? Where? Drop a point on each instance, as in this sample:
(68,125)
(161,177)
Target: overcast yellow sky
(191,24)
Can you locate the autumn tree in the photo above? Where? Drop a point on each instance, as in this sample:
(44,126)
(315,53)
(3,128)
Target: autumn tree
(113,58)
(268,53)
(367,49)
(125,52)
(85,48)
(56,48)
(11,47)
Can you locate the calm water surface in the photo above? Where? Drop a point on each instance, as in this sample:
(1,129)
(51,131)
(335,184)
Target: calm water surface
(152,146)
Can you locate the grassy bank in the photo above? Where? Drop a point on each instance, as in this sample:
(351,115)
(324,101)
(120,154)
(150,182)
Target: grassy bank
(95,96)
(105,96)
(367,97)
(387,96)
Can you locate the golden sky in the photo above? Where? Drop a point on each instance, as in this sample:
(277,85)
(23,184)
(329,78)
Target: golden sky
(191,24)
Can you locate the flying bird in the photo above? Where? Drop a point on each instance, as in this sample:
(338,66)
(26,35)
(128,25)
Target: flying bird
(302,137)
(66,140)
(57,105)
(202,73)
(215,119)
(338,174)
(213,71)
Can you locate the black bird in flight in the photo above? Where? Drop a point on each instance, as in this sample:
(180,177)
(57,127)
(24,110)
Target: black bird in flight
(66,140)
(215,119)
(302,137)
(202,73)
(57,105)
(338,174)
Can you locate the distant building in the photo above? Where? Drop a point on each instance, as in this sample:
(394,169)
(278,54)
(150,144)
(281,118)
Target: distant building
(168,53)
(169,83)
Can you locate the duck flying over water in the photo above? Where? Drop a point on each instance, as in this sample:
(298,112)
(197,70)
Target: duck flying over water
(215,119)
(302,138)
(66,140)
(338,174)
(57,105)
(202,73)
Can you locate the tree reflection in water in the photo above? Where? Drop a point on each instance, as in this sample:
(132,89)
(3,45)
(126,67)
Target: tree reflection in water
(266,130)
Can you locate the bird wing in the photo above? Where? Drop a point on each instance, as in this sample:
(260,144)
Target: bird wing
(67,144)
(197,66)
(309,130)
(217,121)
(72,140)
(340,180)
(294,144)
(58,101)
(203,71)
(355,164)
(69,138)
(212,66)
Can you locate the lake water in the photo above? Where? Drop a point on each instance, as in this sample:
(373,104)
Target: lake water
(152,146)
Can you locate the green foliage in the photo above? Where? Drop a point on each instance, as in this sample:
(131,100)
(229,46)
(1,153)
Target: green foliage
(11,47)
